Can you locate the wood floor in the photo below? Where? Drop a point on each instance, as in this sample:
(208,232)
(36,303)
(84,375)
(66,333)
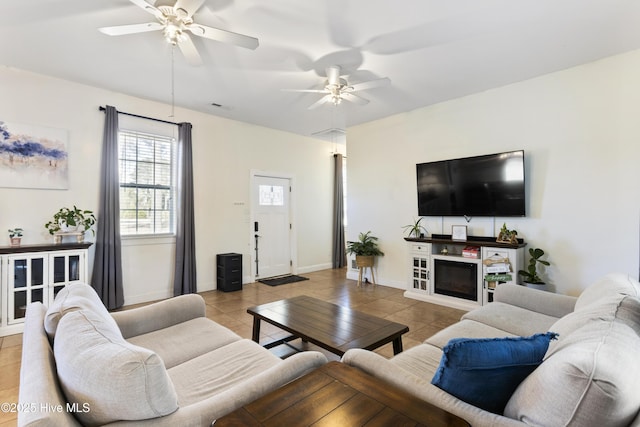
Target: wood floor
(230,310)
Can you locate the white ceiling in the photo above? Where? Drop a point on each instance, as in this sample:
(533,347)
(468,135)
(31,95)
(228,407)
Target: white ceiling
(432,50)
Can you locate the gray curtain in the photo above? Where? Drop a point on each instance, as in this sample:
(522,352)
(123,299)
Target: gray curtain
(107,264)
(184,281)
(339,256)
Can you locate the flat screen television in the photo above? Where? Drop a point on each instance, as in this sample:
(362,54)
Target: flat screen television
(489,185)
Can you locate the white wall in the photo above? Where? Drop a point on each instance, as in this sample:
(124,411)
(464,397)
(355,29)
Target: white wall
(224,151)
(581,135)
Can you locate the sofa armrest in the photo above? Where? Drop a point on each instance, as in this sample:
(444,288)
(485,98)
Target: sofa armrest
(548,303)
(159,315)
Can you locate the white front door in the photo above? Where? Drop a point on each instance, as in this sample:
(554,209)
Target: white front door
(272,226)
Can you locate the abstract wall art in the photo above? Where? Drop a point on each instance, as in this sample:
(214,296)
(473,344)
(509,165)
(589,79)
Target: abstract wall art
(33,156)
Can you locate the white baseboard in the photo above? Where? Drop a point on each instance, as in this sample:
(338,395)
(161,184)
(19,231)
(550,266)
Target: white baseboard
(353,275)
(151,296)
(312,268)
(443,300)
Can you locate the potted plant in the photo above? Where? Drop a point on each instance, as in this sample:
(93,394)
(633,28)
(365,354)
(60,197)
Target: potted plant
(71,220)
(15,234)
(365,249)
(531,277)
(506,235)
(415,229)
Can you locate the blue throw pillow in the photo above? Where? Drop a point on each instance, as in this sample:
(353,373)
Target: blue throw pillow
(486,371)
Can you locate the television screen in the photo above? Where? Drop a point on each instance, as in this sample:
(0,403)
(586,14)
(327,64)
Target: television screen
(489,185)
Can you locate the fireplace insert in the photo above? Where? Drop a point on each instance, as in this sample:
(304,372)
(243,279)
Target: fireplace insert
(456,279)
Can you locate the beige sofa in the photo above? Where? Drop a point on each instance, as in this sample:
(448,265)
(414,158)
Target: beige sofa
(590,376)
(164,364)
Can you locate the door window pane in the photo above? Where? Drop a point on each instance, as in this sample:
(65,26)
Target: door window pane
(271,195)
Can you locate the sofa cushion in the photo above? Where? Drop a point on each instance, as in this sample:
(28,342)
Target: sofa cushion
(485,372)
(590,379)
(219,370)
(115,380)
(465,328)
(73,297)
(512,319)
(185,341)
(614,283)
(421,360)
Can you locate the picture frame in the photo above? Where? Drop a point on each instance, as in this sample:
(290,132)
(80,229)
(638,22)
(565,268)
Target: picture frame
(459,232)
(33,156)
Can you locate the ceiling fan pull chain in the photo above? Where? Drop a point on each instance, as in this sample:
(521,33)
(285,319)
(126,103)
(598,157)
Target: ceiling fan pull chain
(173,80)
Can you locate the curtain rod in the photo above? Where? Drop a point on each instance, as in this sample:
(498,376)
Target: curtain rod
(101,108)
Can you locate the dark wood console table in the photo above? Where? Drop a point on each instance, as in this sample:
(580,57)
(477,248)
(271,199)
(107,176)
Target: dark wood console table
(43,247)
(339,395)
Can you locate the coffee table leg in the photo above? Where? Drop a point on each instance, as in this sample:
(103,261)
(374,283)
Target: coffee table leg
(256,330)
(397,345)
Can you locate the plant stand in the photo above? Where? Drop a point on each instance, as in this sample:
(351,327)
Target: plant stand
(362,262)
(57,237)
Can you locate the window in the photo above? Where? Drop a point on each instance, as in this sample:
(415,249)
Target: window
(147,187)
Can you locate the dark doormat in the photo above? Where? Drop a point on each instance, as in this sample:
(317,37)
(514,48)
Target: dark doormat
(283,280)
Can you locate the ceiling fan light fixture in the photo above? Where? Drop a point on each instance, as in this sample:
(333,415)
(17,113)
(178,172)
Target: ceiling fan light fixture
(173,33)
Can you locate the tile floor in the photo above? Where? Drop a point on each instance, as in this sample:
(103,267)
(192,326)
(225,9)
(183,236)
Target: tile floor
(229,309)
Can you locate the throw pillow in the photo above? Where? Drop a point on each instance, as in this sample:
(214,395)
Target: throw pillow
(74,297)
(107,378)
(485,372)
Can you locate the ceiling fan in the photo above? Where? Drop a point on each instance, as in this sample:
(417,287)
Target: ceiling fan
(337,89)
(175,21)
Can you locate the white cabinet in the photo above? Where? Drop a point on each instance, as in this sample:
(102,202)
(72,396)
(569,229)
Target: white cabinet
(36,273)
(420,267)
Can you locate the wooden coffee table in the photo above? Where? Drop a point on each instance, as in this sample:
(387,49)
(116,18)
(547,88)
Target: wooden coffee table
(330,326)
(339,395)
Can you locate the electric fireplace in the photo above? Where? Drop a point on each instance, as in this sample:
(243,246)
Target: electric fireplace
(456,279)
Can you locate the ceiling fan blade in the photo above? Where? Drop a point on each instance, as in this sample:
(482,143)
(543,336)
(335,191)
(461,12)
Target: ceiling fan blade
(323,100)
(186,8)
(307,90)
(223,36)
(354,98)
(131,29)
(149,8)
(385,81)
(333,75)
(189,50)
